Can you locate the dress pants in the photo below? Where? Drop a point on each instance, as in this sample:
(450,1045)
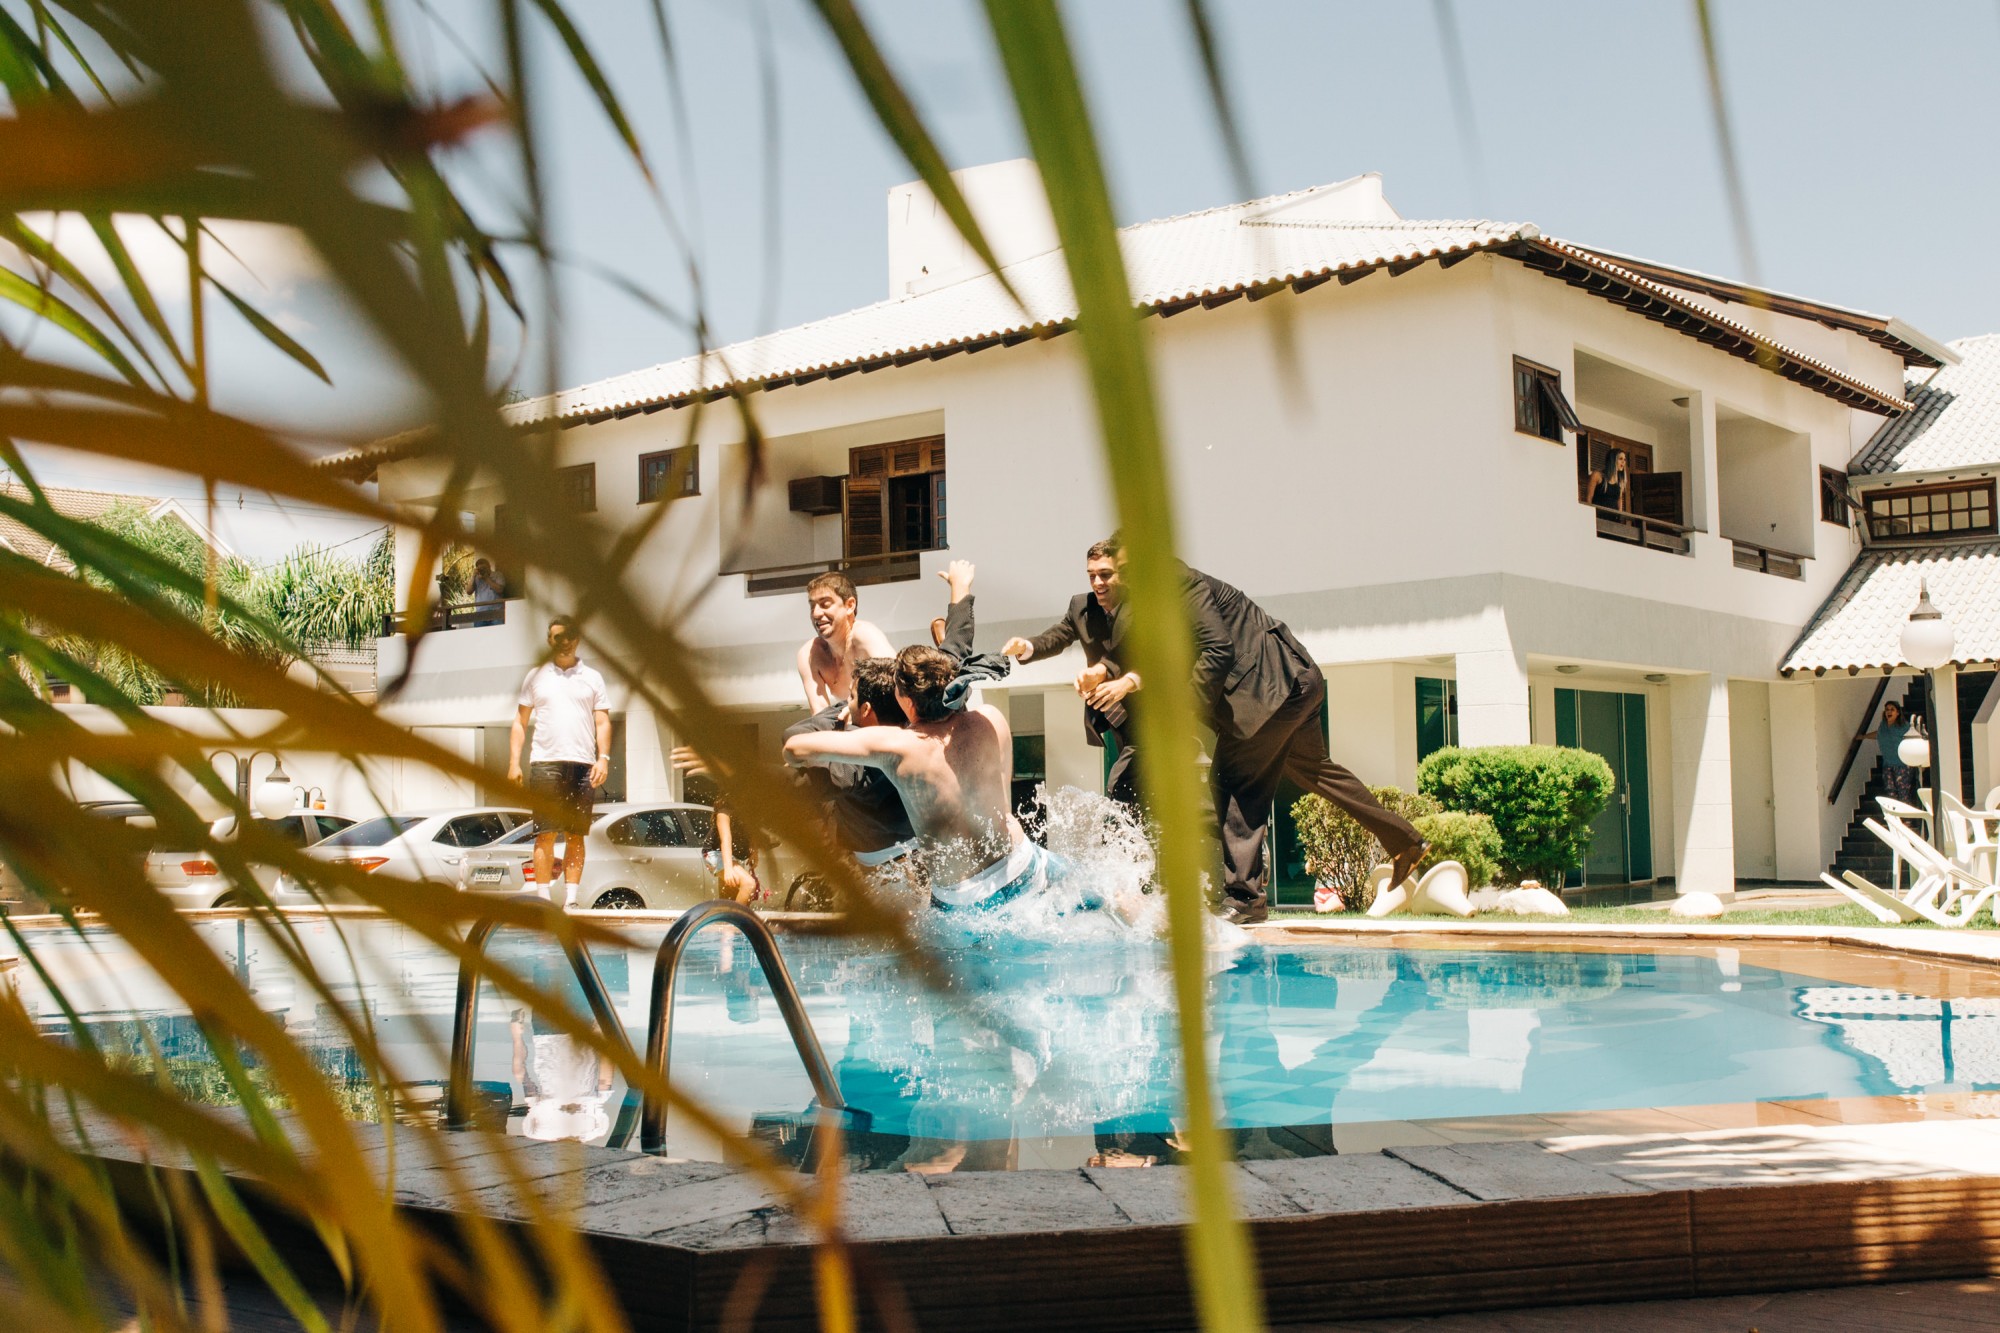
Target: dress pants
(1245,776)
(1121,780)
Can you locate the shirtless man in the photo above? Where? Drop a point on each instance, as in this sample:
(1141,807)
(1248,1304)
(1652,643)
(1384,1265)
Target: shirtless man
(954,771)
(826,661)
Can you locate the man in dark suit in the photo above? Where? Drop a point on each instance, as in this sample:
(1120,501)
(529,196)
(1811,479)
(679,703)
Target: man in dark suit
(1092,620)
(1263,695)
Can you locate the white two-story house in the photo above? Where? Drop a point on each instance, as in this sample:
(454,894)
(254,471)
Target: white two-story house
(1403,476)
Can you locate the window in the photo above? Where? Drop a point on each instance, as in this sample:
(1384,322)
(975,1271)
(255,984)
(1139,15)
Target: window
(1031,770)
(1961,510)
(648,828)
(472,830)
(670,474)
(1833,501)
(578,487)
(330,825)
(895,498)
(1539,406)
(1437,715)
(374,832)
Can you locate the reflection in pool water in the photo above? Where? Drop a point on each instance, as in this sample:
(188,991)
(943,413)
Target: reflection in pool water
(1059,1049)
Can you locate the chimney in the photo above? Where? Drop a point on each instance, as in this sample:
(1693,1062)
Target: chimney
(925,249)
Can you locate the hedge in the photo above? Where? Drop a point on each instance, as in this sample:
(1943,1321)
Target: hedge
(1541,799)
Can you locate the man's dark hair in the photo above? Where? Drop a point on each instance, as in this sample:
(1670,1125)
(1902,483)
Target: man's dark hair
(1108,549)
(568,624)
(922,674)
(838,583)
(875,686)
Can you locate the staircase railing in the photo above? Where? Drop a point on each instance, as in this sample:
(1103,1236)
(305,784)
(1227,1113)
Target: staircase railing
(1854,746)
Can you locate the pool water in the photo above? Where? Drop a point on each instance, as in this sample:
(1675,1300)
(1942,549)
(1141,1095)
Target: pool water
(1054,1052)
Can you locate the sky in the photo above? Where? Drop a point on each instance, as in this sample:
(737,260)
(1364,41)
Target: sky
(1589,119)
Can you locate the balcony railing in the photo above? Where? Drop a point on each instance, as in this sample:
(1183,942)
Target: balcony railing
(447,616)
(1769,560)
(1655,534)
(892,567)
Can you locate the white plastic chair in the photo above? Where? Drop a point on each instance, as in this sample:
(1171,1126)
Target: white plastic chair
(1946,893)
(1903,814)
(1973,842)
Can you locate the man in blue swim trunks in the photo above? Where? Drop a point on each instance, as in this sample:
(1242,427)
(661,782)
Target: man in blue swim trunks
(954,770)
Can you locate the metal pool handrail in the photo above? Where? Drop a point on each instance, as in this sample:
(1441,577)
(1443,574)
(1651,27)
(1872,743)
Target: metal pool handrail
(660,1028)
(458,1091)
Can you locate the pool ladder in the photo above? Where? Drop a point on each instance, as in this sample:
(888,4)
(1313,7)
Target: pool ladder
(660,1020)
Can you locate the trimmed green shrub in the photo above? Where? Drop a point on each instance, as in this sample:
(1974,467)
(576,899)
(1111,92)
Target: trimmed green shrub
(1469,839)
(1339,851)
(1541,799)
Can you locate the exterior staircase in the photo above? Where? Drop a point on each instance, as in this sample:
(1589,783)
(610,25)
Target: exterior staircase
(1860,850)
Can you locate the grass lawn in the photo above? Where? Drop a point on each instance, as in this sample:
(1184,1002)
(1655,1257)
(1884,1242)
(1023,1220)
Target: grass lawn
(1845,915)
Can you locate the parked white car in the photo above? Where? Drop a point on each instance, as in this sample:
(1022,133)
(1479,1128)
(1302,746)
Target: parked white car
(424,844)
(191,879)
(635,855)
(16,899)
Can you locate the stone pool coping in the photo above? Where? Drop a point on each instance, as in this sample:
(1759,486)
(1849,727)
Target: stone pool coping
(1470,1226)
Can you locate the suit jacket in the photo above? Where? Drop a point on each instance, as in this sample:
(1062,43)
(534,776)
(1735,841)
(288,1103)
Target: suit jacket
(1247,663)
(1088,623)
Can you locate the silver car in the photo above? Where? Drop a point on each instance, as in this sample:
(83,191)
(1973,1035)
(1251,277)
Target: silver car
(424,844)
(636,855)
(191,879)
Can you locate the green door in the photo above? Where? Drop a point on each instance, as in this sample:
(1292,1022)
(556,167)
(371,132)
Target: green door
(1613,725)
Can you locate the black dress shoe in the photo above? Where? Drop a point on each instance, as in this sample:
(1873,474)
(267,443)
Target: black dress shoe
(1242,914)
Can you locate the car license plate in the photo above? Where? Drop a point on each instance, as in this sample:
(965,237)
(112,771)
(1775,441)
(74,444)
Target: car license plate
(488,874)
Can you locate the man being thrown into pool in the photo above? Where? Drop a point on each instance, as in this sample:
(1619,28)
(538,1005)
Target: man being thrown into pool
(840,639)
(954,771)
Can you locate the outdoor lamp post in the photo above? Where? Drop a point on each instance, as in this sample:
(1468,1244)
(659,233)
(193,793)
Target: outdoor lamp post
(274,794)
(1928,643)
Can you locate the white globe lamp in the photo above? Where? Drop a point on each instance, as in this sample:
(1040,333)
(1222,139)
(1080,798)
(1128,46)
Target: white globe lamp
(274,793)
(1927,637)
(1928,644)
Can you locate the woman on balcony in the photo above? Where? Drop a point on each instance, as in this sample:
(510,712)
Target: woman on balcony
(1610,486)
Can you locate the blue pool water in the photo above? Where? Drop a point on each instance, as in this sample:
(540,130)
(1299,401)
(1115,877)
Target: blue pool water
(1072,1041)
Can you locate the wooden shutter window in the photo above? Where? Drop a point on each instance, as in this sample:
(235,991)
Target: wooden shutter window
(863,530)
(907,458)
(870,462)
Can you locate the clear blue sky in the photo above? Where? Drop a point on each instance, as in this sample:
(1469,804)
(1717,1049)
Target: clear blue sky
(1860,128)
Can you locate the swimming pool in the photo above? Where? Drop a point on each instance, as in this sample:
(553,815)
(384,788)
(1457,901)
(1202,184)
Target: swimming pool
(1060,1053)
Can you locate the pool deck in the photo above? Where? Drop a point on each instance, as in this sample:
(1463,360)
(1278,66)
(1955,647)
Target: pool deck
(1405,1230)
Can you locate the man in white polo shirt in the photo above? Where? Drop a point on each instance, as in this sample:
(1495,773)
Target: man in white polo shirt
(564,702)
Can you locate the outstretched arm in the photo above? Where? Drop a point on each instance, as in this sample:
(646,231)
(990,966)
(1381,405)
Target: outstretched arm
(874,747)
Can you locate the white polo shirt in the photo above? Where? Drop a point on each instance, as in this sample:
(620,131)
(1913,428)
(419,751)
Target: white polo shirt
(565,704)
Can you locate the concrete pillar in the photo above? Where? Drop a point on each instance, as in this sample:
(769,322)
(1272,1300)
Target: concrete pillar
(1951,763)
(648,743)
(1072,760)
(1493,697)
(1362,707)
(1543,711)
(1704,474)
(1704,810)
(1985,736)
(1797,796)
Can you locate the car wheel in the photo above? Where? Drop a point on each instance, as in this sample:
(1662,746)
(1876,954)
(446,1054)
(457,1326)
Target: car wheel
(618,900)
(232,899)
